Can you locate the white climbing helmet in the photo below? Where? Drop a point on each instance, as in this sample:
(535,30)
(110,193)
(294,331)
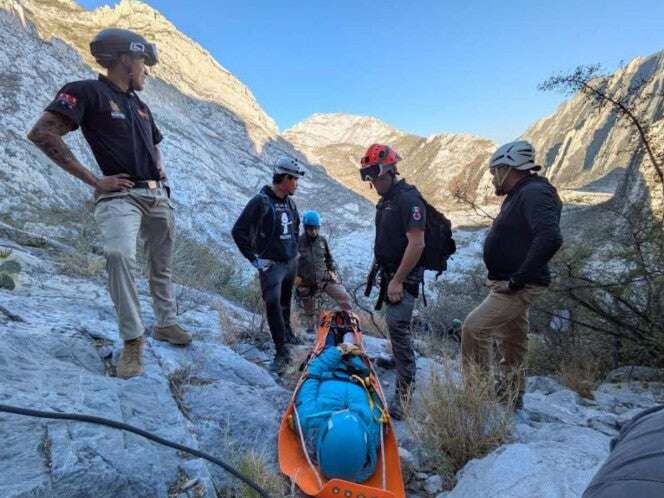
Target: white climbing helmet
(288,166)
(518,155)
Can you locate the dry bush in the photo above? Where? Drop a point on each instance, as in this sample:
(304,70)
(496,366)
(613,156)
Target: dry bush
(234,331)
(457,421)
(81,265)
(450,299)
(580,375)
(255,465)
(179,382)
(578,359)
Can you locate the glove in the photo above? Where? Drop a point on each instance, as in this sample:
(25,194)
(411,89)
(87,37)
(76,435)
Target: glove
(261,264)
(346,348)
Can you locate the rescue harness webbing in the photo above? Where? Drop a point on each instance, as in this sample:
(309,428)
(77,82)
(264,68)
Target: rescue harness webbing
(129,428)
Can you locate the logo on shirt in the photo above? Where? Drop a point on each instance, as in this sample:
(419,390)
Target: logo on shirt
(115,111)
(285,224)
(143,114)
(416,213)
(65,100)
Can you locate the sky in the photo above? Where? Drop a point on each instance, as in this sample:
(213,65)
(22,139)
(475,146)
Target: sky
(426,67)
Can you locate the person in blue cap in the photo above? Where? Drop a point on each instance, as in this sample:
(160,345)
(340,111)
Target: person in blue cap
(316,270)
(340,415)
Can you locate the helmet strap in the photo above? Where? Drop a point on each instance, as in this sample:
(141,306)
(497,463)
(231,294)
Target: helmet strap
(130,75)
(500,176)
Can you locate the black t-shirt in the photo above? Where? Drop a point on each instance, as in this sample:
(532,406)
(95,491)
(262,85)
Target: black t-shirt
(399,211)
(118,126)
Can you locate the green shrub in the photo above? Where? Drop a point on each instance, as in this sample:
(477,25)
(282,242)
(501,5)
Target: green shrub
(9,270)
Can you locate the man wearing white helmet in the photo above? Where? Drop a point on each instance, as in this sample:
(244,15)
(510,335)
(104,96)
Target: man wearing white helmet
(523,238)
(266,233)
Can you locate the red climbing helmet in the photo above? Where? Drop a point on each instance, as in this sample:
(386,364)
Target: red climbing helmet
(378,161)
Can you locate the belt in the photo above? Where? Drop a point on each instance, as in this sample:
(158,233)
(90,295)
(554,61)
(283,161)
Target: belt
(149,184)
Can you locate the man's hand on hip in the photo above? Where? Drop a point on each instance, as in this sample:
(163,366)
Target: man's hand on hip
(499,286)
(114,183)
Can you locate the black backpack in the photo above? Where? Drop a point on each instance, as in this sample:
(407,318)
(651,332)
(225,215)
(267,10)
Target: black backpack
(439,244)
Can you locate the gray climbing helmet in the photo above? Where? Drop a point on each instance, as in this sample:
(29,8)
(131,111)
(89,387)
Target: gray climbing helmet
(518,155)
(288,166)
(110,44)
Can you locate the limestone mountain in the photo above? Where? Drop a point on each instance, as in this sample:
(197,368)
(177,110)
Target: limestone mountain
(582,147)
(580,144)
(437,164)
(219,144)
(586,147)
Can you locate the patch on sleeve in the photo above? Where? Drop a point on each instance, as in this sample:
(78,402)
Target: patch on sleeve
(65,100)
(416,213)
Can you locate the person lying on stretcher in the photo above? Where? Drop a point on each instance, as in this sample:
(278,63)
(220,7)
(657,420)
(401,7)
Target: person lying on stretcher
(340,414)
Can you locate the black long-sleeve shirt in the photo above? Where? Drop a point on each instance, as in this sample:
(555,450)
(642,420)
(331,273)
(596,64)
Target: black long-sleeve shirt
(268,227)
(526,233)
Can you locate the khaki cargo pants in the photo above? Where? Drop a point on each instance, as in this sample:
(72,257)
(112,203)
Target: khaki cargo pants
(336,291)
(120,218)
(503,317)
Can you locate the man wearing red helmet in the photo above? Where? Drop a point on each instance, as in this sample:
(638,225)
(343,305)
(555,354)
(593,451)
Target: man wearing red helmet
(399,243)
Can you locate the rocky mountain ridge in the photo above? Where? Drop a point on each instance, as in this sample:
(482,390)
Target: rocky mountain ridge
(581,146)
(183,63)
(585,146)
(438,164)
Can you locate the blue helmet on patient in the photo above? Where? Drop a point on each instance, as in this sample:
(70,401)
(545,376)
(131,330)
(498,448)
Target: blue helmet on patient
(343,447)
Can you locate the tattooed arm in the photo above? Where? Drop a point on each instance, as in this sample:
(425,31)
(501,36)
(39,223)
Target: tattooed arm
(47,135)
(160,163)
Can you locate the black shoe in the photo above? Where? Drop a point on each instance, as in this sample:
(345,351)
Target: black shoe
(281,361)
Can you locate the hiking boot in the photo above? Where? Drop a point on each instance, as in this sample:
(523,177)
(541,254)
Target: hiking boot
(281,360)
(173,334)
(130,363)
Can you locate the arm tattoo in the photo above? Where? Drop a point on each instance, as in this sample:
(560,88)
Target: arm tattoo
(47,135)
(160,161)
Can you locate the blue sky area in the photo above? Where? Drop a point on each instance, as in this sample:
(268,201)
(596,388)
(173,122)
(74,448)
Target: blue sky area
(423,66)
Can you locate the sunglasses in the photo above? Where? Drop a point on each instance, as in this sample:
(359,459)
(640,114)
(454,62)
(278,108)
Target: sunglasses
(370,173)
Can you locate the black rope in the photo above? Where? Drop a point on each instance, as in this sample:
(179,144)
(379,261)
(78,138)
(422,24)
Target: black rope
(367,310)
(126,427)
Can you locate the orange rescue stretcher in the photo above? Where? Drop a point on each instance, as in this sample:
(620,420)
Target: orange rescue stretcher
(294,461)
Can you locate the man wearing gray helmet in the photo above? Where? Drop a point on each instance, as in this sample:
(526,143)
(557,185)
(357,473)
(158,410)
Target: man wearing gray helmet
(523,238)
(266,233)
(131,196)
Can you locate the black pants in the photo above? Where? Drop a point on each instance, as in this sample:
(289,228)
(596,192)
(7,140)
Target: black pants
(277,288)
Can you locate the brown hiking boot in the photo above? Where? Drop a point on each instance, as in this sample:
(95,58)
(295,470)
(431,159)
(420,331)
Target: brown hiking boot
(131,359)
(173,334)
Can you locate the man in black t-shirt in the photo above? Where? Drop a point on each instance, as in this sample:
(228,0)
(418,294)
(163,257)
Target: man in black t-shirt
(131,195)
(266,233)
(399,243)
